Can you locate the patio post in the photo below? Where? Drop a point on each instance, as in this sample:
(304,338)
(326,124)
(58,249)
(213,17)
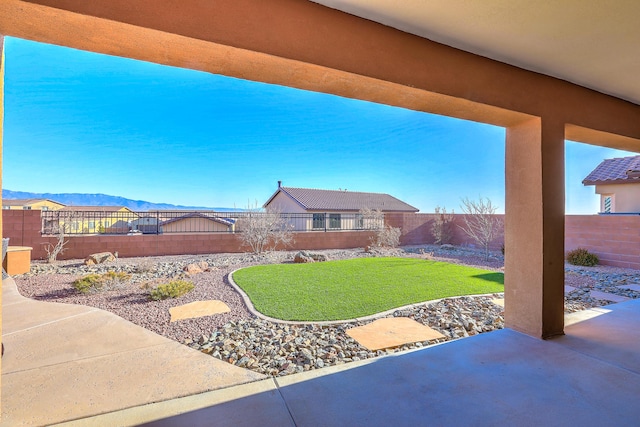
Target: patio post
(1,133)
(534,228)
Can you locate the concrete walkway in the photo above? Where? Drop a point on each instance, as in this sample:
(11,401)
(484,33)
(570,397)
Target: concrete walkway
(589,377)
(64,362)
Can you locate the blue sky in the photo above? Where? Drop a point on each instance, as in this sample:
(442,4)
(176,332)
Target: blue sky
(80,122)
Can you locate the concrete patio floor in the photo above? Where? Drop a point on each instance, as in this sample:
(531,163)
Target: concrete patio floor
(64,362)
(590,376)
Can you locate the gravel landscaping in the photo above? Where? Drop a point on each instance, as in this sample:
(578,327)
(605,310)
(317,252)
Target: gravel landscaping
(240,338)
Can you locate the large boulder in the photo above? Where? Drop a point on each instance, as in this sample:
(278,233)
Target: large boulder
(196,268)
(99,258)
(306,256)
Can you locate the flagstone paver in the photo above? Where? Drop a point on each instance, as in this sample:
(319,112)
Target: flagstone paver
(198,309)
(608,296)
(392,332)
(568,289)
(498,301)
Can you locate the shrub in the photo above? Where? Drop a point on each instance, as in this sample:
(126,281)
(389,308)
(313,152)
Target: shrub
(582,257)
(89,283)
(112,279)
(100,282)
(442,227)
(264,231)
(481,223)
(173,289)
(387,237)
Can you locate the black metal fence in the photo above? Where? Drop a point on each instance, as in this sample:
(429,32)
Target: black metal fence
(167,222)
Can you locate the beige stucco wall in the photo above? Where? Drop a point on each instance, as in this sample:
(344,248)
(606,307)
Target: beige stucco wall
(52,206)
(626,197)
(195,225)
(285,204)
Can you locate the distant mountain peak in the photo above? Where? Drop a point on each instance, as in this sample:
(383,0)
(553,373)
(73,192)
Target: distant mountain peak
(84,199)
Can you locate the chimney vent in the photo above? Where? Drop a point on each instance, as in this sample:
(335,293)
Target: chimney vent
(279,184)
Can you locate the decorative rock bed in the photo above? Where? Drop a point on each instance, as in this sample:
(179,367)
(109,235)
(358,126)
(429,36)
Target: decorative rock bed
(277,349)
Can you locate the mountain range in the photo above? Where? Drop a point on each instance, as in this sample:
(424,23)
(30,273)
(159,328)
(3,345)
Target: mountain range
(83,199)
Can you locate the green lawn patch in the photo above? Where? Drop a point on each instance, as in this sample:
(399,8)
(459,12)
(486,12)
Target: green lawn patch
(346,289)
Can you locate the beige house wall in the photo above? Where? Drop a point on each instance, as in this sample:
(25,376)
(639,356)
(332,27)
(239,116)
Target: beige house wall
(195,225)
(284,203)
(626,197)
(48,204)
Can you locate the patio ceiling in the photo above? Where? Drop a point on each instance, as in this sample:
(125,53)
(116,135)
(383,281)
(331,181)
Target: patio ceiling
(588,42)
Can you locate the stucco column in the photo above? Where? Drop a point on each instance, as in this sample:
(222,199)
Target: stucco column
(1,133)
(534,228)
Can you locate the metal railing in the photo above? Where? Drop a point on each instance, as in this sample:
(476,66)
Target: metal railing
(84,222)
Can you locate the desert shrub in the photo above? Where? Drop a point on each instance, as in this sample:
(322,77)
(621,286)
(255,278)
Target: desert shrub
(264,231)
(387,237)
(442,227)
(88,283)
(101,282)
(582,257)
(481,223)
(113,279)
(173,289)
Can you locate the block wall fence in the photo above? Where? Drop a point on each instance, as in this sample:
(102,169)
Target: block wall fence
(615,239)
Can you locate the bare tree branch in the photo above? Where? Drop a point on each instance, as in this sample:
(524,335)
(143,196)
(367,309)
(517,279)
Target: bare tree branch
(480,222)
(442,227)
(264,231)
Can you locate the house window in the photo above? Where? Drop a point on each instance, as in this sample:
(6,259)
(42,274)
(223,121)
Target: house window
(45,208)
(607,204)
(334,221)
(26,208)
(318,221)
(359,221)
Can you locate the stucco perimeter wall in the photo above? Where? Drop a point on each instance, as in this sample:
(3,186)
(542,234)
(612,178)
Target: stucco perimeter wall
(416,229)
(23,229)
(615,239)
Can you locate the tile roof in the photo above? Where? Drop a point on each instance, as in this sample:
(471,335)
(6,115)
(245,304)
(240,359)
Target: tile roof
(615,171)
(337,200)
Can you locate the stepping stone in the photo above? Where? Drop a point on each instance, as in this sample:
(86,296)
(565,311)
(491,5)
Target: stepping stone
(498,301)
(632,287)
(392,332)
(568,289)
(198,309)
(608,297)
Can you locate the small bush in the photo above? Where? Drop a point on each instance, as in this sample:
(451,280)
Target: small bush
(174,289)
(582,257)
(101,282)
(387,237)
(89,283)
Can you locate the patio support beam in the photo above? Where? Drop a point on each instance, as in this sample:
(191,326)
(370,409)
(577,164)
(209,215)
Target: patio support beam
(534,228)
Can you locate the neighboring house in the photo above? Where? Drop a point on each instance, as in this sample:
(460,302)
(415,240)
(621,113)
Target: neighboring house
(31,204)
(333,209)
(196,222)
(617,181)
(96,219)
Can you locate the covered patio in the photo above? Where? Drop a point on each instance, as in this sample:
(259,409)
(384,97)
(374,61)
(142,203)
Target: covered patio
(559,80)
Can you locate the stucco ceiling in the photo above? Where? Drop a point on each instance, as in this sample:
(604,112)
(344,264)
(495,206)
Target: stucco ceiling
(593,43)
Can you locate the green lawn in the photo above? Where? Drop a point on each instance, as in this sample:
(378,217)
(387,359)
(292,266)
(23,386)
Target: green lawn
(337,290)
